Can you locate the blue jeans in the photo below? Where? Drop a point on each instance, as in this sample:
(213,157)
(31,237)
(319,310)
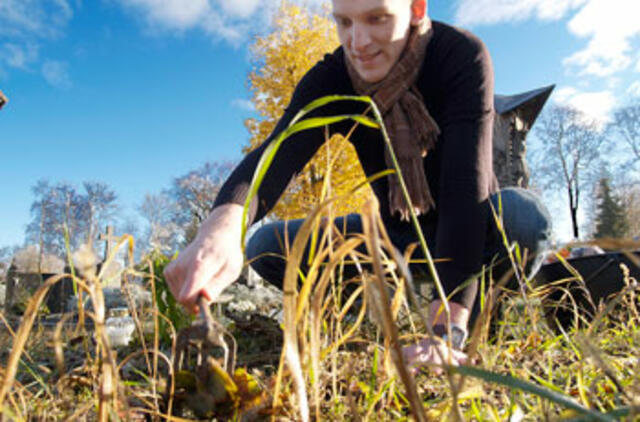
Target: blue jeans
(525,220)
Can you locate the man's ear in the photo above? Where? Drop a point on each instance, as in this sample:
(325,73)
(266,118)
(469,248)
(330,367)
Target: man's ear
(418,11)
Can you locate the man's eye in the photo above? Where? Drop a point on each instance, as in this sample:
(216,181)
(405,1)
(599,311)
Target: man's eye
(343,21)
(378,19)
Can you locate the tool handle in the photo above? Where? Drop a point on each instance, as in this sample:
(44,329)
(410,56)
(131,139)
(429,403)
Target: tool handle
(205,311)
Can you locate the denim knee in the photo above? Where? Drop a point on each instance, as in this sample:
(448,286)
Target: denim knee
(255,244)
(262,252)
(527,221)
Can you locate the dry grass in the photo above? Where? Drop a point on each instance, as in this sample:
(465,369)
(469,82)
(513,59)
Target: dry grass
(337,363)
(337,355)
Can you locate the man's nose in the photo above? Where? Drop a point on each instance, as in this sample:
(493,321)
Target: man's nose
(360,37)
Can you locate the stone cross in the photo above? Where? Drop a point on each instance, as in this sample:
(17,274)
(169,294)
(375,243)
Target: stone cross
(109,238)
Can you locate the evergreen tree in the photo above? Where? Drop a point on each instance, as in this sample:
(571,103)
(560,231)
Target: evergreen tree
(611,217)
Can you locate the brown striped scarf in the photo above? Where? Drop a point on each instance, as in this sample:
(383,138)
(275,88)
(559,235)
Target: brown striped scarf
(412,130)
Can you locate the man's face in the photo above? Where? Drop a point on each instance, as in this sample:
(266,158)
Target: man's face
(373,33)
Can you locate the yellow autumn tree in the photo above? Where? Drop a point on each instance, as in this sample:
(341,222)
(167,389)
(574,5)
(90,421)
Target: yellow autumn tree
(300,39)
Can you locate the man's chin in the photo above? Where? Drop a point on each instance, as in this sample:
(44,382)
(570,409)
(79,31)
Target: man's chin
(371,75)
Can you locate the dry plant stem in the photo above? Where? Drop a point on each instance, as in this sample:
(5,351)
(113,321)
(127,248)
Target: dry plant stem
(80,328)
(519,275)
(23,334)
(107,395)
(423,243)
(347,248)
(630,300)
(591,351)
(414,218)
(606,310)
(290,301)
(134,314)
(78,413)
(316,311)
(403,267)
(410,290)
(389,327)
(13,334)
(278,384)
(156,340)
(319,307)
(57,343)
(169,362)
(576,277)
(157,414)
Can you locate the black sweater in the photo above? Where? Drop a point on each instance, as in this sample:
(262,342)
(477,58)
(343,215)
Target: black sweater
(456,81)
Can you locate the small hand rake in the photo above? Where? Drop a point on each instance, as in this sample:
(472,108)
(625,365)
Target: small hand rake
(202,384)
(205,335)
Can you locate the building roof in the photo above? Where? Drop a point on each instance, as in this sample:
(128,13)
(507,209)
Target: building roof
(528,104)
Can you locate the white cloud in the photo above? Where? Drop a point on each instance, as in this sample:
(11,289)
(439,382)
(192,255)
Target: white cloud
(174,14)
(595,105)
(634,89)
(26,24)
(243,104)
(224,19)
(18,56)
(239,8)
(217,26)
(230,20)
(33,18)
(56,73)
(472,12)
(610,27)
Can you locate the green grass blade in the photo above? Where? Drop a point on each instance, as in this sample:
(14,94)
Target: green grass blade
(269,154)
(616,413)
(528,387)
(314,122)
(320,102)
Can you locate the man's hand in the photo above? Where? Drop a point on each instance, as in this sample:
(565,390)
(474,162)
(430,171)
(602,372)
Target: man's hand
(425,353)
(211,262)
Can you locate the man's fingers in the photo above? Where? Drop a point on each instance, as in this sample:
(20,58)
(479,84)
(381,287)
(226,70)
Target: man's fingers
(424,354)
(196,280)
(460,357)
(211,286)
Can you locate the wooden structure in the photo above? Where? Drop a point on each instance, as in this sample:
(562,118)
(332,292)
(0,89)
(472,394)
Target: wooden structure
(515,115)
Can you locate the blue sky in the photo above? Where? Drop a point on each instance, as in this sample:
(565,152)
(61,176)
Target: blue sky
(136,92)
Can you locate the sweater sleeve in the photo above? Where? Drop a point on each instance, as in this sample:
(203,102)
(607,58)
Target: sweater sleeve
(466,172)
(293,154)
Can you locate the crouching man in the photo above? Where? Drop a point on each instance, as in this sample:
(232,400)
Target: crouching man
(434,86)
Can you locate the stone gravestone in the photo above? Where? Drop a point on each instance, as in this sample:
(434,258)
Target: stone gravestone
(58,293)
(28,270)
(515,115)
(61,297)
